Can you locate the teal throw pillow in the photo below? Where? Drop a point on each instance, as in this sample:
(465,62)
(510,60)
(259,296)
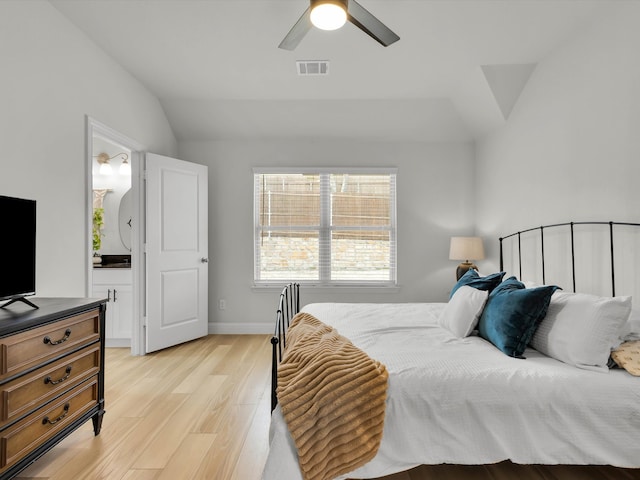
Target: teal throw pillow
(512,315)
(473,279)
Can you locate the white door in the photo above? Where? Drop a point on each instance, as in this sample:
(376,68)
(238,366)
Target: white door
(176,251)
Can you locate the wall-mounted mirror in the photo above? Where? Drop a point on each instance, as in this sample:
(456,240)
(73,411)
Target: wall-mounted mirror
(124,219)
(113,183)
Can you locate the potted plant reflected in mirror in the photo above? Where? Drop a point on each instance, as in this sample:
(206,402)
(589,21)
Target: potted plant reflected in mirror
(98,223)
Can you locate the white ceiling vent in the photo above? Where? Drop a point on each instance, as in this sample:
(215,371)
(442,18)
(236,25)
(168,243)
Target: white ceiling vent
(313,67)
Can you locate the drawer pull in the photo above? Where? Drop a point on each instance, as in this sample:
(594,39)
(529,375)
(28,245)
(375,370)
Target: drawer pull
(67,334)
(55,382)
(46,420)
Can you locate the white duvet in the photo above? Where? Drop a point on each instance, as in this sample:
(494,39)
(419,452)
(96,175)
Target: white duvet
(462,401)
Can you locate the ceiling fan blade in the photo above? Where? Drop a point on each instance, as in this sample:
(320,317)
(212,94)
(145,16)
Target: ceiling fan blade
(297,33)
(370,25)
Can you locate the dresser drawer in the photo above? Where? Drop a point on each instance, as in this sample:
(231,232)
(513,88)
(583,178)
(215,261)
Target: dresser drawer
(23,394)
(34,347)
(35,429)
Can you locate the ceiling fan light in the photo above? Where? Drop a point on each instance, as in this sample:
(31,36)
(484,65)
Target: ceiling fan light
(328,15)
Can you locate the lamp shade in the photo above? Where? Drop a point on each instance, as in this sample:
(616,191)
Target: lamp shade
(105,168)
(466,248)
(125,167)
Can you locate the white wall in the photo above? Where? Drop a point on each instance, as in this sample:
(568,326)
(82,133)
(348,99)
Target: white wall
(570,150)
(51,77)
(434,201)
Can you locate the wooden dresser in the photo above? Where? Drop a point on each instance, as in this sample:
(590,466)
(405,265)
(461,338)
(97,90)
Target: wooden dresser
(51,376)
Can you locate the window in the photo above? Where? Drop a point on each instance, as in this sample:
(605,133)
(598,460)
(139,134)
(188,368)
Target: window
(325,227)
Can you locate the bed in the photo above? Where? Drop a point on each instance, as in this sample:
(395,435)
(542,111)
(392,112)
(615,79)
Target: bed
(455,397)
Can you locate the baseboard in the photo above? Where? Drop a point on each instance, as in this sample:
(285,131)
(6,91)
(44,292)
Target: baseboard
(227,328)
(117,343)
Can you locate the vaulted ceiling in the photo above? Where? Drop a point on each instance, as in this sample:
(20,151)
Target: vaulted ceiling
(455,74)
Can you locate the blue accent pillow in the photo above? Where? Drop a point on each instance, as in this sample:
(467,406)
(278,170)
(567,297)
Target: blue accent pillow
(472,279)
(512,315)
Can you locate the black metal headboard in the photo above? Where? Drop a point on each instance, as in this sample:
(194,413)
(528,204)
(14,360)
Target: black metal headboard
(571,226)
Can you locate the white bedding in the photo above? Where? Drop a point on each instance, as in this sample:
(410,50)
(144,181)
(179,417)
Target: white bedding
(462,401)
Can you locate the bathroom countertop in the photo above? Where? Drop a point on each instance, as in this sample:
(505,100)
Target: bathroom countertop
(114,261)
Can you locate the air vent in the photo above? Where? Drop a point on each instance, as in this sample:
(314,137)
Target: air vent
(313,67)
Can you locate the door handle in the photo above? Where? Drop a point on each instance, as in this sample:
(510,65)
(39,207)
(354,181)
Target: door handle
(114,295)
(204,260)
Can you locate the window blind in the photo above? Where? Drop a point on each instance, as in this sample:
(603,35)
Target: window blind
(325,227)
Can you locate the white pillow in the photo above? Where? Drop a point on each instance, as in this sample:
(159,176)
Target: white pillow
(581,329)
(631,329)
(460,316)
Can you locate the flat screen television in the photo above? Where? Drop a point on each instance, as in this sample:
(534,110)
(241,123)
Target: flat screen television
(18,247)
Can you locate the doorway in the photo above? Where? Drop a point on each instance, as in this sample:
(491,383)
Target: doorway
(161,312)
(114,263)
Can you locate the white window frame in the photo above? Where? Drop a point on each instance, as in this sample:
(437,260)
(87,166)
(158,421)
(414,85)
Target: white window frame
(326,229)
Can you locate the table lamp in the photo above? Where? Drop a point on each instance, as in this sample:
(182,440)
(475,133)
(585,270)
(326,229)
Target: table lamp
(465,249)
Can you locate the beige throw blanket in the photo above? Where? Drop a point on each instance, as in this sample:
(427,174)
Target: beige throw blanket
(332,396)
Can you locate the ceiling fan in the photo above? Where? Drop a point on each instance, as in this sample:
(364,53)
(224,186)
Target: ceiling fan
(331,15)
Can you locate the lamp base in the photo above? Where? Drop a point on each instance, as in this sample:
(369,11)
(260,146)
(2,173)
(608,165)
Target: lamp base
(463,268)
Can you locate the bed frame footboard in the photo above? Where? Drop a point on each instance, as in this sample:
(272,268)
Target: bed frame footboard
(288,307)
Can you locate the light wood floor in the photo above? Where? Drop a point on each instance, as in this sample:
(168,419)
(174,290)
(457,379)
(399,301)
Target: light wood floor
(201,411)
